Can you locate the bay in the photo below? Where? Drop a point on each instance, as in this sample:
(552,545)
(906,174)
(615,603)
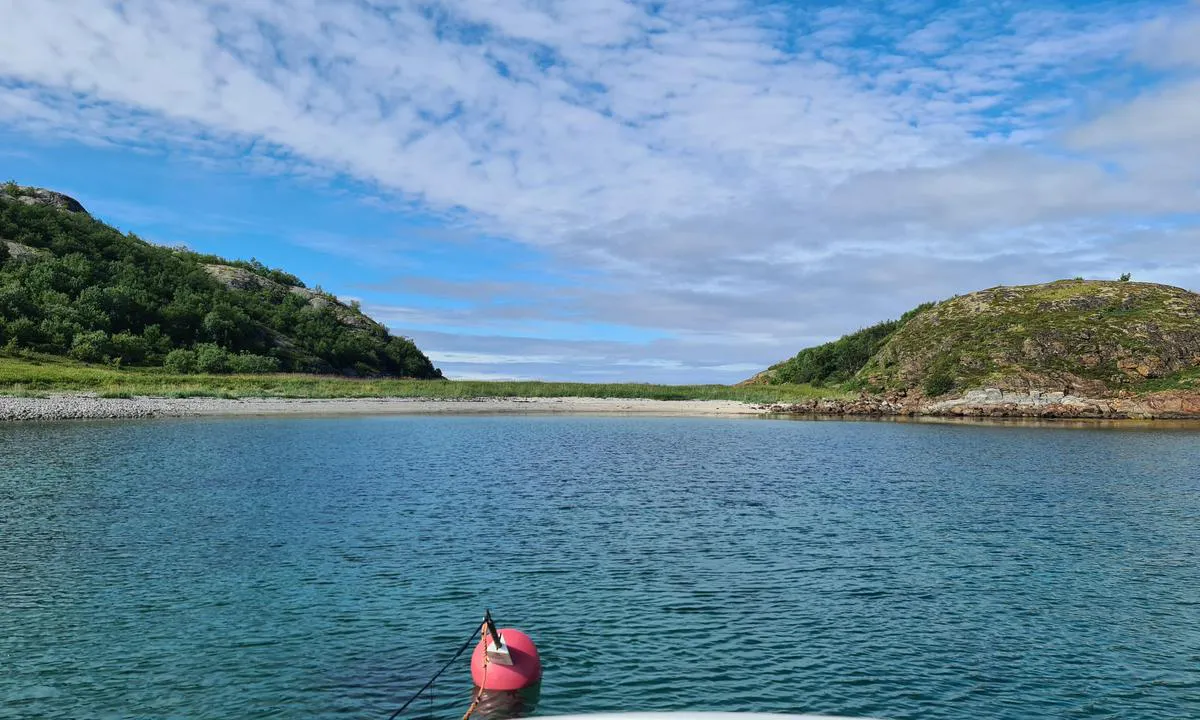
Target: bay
(325,568)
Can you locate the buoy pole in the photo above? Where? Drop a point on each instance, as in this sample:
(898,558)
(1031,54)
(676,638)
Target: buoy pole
(497,651)
(504,659)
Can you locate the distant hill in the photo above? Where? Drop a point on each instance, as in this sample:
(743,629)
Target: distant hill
(72,285)
(1079,336)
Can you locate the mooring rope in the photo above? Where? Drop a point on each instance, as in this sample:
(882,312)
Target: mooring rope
(479,690)
(436,675)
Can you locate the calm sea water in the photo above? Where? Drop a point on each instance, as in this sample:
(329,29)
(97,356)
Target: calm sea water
(324,568)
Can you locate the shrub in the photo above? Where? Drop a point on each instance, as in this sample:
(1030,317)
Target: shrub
(249,364)
(937,384)
(92,346)
(21,332)
(180,361)
(211,359)
(1125,277)
(129,347)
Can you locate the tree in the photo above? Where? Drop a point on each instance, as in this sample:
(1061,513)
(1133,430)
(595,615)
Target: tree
(1125,277)
(211,358)
(132,349)
(226,325)
(4,253)
(22,333)
(180,361)
(90,346)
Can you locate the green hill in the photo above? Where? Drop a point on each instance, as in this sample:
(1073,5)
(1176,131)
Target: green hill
(71,285)
(1087,336)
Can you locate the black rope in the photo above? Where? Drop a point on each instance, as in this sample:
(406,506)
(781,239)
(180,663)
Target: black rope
(436,675)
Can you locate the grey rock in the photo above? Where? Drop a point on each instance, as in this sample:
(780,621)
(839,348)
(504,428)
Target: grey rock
(236,278)
(41,196)
(17,251)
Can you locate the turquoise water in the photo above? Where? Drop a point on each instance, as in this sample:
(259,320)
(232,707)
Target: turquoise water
(324,568)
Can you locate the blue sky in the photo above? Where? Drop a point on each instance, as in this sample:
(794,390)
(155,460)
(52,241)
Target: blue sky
(616,190)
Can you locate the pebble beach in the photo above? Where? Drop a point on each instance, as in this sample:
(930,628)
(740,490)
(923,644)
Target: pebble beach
(91,407)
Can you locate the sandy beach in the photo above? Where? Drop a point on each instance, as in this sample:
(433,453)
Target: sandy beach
(76,407)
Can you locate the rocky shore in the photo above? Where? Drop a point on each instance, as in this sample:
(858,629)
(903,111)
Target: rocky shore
(987,403)
(996,403)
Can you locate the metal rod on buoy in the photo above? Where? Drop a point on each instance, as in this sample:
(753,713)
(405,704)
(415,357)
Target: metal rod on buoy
(491,628)
(497,650)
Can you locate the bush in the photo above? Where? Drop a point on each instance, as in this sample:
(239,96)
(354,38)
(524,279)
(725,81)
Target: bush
(938,384)
(211,359)
(249,364)
(4,253)
(181,362)
(21,332)
(90,346)
(1125,277)
(129,347)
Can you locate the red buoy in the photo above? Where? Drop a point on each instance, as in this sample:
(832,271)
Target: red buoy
(513,665)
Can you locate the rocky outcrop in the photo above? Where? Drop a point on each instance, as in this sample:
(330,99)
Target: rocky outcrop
(236,278)
(17,251)
(862,406)
(1000,403)
(41,196)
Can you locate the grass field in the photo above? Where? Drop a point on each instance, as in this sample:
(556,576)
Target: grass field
(36,376)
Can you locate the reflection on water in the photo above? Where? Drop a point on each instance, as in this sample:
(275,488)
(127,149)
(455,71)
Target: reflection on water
(1013,422)
(505,704)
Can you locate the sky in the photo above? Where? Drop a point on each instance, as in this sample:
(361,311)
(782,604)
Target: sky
(618,190)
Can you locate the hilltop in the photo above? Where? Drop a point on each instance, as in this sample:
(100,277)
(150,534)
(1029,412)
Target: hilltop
(73,286)
(1082,339)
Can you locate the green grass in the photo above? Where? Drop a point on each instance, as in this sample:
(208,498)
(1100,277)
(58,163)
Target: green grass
(40,375)
(1185,380)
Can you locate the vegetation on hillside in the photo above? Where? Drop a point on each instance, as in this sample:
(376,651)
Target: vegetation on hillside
(71,285)
(837,362)
(1084,336)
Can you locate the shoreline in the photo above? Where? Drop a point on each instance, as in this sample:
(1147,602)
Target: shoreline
(975,405)
(1001,404)
(92,407)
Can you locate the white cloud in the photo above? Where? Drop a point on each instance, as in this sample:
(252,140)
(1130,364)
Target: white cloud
(475,358)
(1164,121)
(675,360)
(1170,41)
